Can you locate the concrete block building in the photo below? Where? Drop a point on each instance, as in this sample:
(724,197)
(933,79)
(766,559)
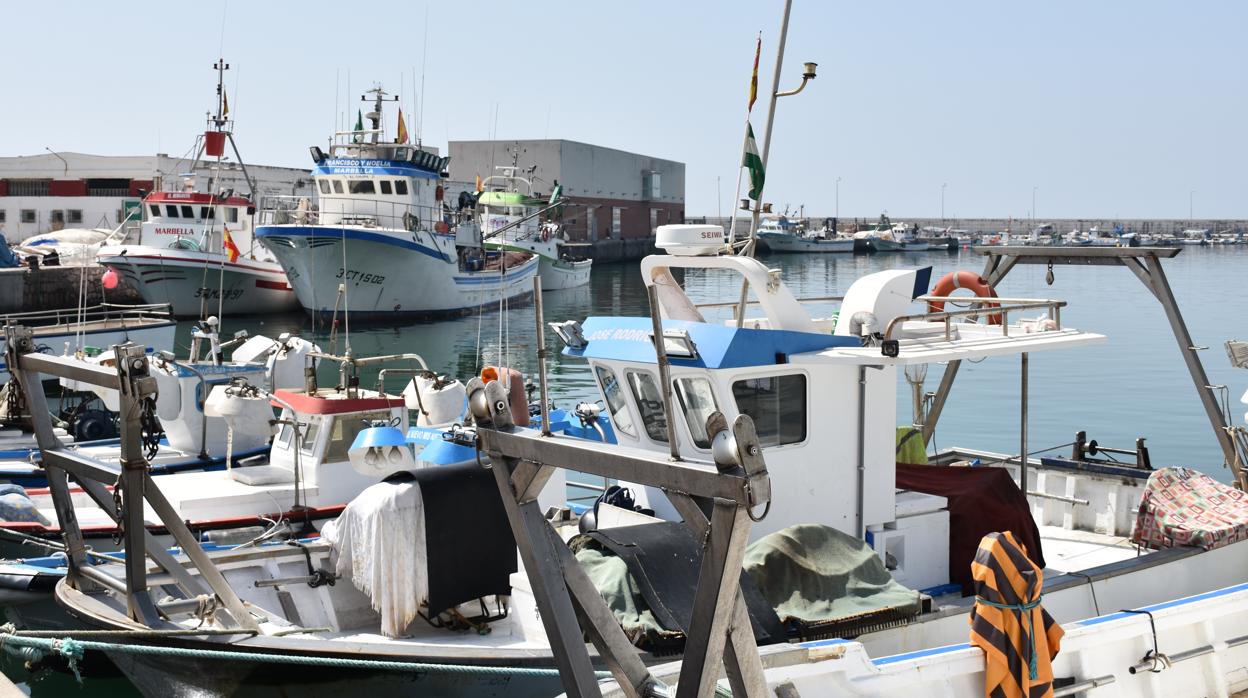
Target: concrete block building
(616,196)
(51,191)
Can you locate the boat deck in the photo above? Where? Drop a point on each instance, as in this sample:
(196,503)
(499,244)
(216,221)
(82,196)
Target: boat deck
(1067,550)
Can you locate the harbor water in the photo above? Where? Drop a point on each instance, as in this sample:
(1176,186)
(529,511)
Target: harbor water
(1134,385)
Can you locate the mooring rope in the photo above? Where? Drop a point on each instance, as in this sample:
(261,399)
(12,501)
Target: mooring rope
(73,650)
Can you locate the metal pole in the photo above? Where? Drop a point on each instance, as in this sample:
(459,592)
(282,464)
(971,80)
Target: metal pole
(771,110)
(660,352)
(1022,429)
(541,353)
(838,201)
(862,450)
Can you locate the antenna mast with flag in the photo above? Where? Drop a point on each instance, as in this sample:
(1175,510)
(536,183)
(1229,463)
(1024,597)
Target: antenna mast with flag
(745,146)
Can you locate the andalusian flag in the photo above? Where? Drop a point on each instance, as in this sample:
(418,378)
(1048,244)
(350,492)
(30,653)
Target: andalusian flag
(753,163)
(402,137)
(228,246)
(359,125)
(758,49)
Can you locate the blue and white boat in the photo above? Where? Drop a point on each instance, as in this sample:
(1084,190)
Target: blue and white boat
(380,241)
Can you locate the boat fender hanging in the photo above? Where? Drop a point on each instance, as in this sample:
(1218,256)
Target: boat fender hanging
(968,280)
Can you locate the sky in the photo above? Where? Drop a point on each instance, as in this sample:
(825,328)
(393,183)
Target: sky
(1096,109)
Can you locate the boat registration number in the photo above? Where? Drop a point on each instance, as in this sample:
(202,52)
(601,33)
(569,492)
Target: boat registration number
(215,294)
(360,277)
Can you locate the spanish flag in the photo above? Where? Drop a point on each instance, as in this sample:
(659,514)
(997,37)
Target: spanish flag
(402,137)
(758,49)
(225,103)
(228,246)
(479,187)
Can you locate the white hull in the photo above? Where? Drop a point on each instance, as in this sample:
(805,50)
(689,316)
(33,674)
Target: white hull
(158,336)
(386,272)
(793,243)
(197,283)
(562,274)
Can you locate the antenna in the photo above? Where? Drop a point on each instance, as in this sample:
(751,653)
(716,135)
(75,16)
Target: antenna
(424,52)
(222,105)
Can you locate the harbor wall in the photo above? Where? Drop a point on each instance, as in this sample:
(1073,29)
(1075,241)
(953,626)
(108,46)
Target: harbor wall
(1144,226)
(615,250)
(56,288)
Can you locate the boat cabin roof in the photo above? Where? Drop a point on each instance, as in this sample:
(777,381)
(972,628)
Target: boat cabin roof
(331,401)
(195,197)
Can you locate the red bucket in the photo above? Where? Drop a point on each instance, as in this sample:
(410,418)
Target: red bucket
(214,143)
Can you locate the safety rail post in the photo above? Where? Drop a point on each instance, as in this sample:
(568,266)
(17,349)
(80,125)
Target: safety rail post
(522,461)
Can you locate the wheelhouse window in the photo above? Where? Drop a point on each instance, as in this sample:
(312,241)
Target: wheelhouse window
(337,186)
(74,215)
(649,404)
(231,214)
(362,186)
(171,211)
(697,401)
(385,187)
(188,212)
(308,441)
(28,215)
(621,420)
(777,404)
(155,209)
(324,185)
(342,433)
(400,187)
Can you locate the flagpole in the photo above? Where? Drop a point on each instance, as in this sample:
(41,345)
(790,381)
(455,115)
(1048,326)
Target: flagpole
(745,142)
(771,120)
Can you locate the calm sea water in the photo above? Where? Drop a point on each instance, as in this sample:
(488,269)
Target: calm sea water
(1133,385)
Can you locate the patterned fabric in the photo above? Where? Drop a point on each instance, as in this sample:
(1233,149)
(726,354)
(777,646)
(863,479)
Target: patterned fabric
(1181,506)
(1019,638)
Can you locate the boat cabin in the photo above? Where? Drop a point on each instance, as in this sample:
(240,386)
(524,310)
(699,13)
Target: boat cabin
(822,391)
(196,221)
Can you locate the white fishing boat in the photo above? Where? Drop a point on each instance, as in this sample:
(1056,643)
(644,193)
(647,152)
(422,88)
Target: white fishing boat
(98,326)
(781,235)
(196,250)
(511,219)
(380,242)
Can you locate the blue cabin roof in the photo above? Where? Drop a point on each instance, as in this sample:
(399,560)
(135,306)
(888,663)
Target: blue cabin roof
(718,346)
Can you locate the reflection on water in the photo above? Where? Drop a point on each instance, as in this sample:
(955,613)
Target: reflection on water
(1133,385)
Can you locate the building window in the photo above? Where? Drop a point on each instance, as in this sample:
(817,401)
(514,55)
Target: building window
(188,211)
(591,227)
(362,186)
(29,187)
(614,394)
(337,186)
(385,187)
(58,216)
(324,185)
(697,401)
(654,219)
(171,211)
(400,187)
(74,216)
(617,213)
(28,215)
(651,186)
(231,214)
(649,404)
(777,404)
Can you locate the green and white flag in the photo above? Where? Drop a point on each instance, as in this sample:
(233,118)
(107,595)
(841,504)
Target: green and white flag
(753,163)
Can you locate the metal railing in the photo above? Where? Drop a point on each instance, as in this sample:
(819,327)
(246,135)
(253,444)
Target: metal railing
(989,306)
(69,318)
(347,210)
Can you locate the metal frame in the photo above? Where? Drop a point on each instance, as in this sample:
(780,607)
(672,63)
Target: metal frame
(716,503)
(1145,264)
(135,387)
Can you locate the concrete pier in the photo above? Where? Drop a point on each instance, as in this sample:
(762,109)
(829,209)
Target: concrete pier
(56,288)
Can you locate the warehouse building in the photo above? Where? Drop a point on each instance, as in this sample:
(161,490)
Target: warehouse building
(616,196)
(51,191)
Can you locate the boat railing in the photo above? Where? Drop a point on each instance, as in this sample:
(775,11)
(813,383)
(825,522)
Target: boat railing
(68,318)
(346,210)
(980,306)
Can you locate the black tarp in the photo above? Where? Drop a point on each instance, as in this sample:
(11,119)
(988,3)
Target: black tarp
(981,501)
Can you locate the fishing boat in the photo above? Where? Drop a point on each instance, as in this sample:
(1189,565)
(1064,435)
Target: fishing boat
(511,219)
(98,326)
(196,250)
(781,235)
(380,242)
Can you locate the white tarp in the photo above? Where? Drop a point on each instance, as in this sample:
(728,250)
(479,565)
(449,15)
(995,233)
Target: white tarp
(380,541)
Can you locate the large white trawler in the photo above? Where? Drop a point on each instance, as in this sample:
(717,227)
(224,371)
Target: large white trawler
(380,243)
(196,250)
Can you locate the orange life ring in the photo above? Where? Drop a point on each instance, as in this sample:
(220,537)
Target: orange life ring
(438,192)
(515,391)
(968,280)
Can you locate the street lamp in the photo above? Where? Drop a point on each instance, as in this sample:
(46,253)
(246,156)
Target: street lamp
(1190,194)
(1034,217)
(942,201)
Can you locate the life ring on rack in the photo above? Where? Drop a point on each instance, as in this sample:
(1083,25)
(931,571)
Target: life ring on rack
(968,280)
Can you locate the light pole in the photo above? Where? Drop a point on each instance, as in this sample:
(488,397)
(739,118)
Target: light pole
(942,201)
(1034,217)
(1190,195)
(838,200)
